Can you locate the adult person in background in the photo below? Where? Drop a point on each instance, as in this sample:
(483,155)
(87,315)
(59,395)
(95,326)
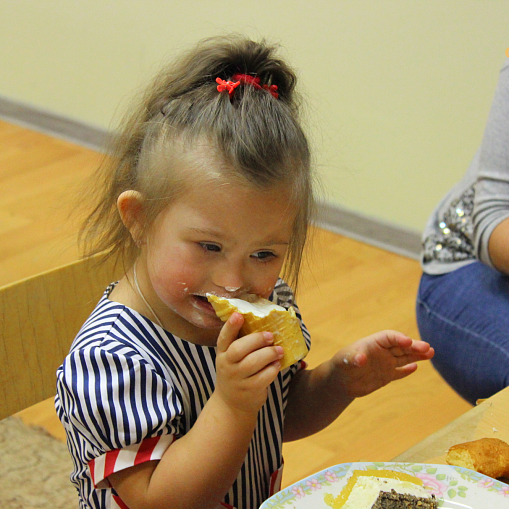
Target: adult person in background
(463,299)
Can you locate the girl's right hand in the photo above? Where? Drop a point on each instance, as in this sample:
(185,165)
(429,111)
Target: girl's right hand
(245,366)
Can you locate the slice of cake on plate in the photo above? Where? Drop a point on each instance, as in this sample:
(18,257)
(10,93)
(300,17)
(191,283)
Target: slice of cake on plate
(382,489)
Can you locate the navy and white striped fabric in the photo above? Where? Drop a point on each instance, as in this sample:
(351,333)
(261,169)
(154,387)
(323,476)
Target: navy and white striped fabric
(128,389)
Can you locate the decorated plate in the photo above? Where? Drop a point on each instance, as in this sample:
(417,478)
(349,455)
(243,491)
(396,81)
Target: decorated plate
(454,487)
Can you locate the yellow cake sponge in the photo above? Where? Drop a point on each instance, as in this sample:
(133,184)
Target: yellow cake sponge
(263,315)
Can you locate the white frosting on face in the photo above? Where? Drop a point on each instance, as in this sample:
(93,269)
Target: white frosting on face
(366,491)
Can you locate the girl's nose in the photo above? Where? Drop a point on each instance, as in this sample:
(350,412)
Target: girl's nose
(232,289)
(230,276)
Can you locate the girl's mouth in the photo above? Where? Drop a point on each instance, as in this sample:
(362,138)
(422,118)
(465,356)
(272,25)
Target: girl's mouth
(202,303)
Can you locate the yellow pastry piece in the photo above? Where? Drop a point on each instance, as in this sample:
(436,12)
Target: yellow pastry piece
(262,315)
(488,456)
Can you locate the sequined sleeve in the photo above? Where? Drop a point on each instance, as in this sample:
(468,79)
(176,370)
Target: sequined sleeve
(459,229)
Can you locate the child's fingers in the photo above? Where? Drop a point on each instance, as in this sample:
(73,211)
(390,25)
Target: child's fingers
(353,358)
(267,375)
(259,361)
(420,347)
(415,357)
(404,371)
(392,338)
(416,352)
(229,332)
(254,352)
(401,345)
(249,344)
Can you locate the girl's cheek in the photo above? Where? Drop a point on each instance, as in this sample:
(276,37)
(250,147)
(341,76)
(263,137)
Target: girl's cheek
(170,280)
(182,288)
(266,288)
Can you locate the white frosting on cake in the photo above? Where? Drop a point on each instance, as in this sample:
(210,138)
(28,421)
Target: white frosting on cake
(259,307)
(366,491)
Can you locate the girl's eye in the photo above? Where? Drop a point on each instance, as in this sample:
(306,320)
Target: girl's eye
(210,247)
(264,255)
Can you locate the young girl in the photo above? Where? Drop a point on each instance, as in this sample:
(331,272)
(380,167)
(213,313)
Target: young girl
(209,191)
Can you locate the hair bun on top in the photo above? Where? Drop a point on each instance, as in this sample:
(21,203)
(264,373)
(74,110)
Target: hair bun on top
(223,57)
(256,59)
(249,127)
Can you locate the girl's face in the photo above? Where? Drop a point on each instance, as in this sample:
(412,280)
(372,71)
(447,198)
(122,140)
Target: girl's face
(222,238)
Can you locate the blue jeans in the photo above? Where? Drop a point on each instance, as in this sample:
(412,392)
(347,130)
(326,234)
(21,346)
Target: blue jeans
(464,315)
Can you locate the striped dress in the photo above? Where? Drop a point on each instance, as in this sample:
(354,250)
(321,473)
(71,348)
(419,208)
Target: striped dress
(128,389)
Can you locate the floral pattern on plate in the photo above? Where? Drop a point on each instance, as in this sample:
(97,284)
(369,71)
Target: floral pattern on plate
(453,486)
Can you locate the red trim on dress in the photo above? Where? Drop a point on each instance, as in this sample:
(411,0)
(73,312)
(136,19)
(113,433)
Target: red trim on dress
(109,462)
(119,502)
(146,449)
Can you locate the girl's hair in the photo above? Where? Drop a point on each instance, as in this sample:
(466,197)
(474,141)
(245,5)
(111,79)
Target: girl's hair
(256,137)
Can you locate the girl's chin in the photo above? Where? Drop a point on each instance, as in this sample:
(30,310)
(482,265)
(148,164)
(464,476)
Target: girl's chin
(211,325)
(205,333)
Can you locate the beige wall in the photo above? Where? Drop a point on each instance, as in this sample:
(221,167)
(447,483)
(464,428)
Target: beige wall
(398,90)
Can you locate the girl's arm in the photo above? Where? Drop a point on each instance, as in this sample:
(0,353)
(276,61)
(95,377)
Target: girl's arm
(319,395)
(199,468)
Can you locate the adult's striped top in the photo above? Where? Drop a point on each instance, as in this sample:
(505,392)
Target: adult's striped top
(129,388)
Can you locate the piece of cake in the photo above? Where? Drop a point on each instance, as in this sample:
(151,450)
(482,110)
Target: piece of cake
(263,315)
(382,489)
(488,456)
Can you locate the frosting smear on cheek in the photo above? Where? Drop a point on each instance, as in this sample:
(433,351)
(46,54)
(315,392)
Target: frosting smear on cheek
(183,287)
(197,318)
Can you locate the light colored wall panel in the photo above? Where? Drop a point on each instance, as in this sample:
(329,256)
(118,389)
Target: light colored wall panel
(398,90)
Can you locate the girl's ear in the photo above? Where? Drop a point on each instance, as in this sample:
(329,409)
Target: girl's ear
(130,208)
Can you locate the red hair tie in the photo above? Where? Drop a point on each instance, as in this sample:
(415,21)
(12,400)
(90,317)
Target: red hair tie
(226,85)
(244,78)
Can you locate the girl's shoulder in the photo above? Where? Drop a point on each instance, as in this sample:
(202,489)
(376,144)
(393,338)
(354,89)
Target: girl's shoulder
(113,326)
(115,329)
(283,294)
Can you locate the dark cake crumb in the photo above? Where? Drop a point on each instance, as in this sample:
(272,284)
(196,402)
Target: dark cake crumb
(394,500)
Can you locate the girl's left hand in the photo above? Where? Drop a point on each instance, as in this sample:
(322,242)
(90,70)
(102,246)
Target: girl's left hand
(376,360)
